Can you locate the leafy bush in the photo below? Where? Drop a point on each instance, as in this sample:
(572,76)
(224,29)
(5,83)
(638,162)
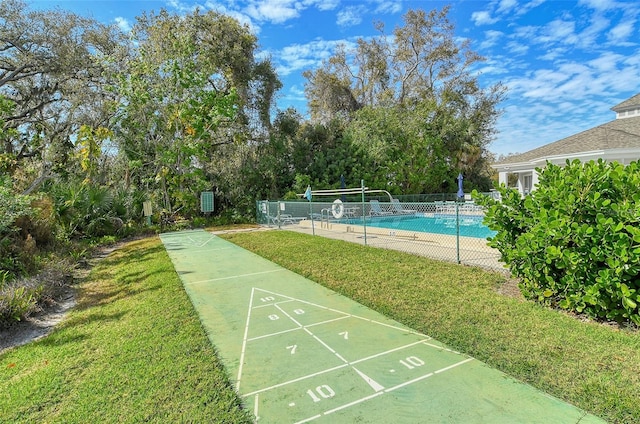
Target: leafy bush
(84,210)
(15,304)
(21,297)
(16,301)
(13,208)
(575,241)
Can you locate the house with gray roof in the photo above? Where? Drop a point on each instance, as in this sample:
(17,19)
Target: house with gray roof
(617,140)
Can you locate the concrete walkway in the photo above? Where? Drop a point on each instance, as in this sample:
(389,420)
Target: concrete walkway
(298,352)
(473,251)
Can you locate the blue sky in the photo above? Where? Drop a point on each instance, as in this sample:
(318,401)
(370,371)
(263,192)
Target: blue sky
(565,62)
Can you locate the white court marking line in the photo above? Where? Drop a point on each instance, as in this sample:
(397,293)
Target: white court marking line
(297,328)
(303,327)
(274,334)
(235,276)
(267,305)
(205,250)
(327,321)
(181,237)
(300,326)
(395,349)
(244,342)
(339,408)
(408,330)
(390,389)
(255,408)
(443,348)
(312,335)
(370,381)
(304,377)
(195,242)
(295,380)
(378,388)
(431,374)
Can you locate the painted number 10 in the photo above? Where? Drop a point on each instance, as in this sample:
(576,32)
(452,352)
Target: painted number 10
(411,362)
(321,392)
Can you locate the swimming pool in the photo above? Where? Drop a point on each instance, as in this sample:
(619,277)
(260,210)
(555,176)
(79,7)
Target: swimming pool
(470,225)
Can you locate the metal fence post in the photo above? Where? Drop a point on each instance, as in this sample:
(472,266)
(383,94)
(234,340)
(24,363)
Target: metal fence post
(457,232)
(364,218)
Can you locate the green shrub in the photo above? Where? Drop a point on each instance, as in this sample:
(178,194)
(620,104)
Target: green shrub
(575,240)
(14,209)
(16,301)
(21,297)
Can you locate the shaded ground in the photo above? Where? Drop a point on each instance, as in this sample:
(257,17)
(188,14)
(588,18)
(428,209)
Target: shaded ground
(40,324)
(53,311)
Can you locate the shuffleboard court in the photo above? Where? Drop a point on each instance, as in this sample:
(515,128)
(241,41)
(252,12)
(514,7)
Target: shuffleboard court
(298,352)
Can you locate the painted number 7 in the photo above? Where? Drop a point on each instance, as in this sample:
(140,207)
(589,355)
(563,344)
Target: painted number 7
(292,349)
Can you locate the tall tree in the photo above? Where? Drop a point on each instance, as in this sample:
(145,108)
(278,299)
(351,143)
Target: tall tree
(190,87)
(422,74)
(49,73)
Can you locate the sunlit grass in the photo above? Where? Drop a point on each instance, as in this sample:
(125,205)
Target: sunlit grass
(132,351)
(594,366)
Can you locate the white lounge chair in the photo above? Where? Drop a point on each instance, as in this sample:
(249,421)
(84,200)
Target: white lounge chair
(376,209)
(397,208)
(284,219)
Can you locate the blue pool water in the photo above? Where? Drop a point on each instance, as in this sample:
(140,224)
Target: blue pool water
(470,226)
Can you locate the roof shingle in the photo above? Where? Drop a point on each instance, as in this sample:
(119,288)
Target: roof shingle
(631,103)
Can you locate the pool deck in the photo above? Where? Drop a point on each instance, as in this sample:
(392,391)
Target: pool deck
(473,251)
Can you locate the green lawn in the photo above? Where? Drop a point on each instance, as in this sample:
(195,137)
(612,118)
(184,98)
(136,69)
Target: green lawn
(596,367)
(133,350)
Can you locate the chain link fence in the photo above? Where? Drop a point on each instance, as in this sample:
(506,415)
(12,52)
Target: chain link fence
(431,225)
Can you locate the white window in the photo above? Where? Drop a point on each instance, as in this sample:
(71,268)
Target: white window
(527,183)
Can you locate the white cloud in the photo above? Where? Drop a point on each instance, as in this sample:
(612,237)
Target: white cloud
(569,86)
(558,31)
(492,69)
(327,5)
(350,16)
(591,34)
(241,17)
(506,6)
(299,57)
(501,9)
(483,18)
(491,38)
(607,62)
(280,11)
(275,11)
(553,53)
(516,48)
(600,5)
(526,32)
(621,32)
(123,24)
(183,7)
(388,6)
(296,94)
(525,8)
(564,72)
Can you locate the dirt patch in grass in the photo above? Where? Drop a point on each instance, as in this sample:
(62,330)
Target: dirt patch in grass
(54,309)
(41,323)
(510,288)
